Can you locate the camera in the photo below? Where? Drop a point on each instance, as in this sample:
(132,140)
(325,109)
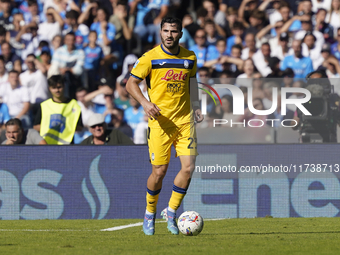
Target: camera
(320,126)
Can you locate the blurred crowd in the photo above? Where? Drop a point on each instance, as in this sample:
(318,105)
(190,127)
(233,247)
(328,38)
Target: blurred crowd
(93,45)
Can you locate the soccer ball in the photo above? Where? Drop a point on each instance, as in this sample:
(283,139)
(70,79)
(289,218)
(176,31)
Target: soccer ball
(190,223)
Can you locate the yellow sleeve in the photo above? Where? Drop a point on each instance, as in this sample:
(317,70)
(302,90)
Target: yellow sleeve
(194,69)
(142,67)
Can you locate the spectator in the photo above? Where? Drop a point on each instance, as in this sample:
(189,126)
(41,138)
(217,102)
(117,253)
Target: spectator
(234,63)
(18,21)
(93,56)
(15,134)
(57,42)
(217,16)
(261,60)
(122,101)
(246,8)
(16,97)
(106,31)
(258,86)
(28,35)
(45,60)
(282,50)
(123,23)
(215,54)
(12,61)
(236,38)
(33,13)
(200,48)
(69,61)
(88,15)
(189,24)
(149,15)
(277,114)
(6,18)
(34,80)
(288,77)
(300,64)
(87,107)
(52,26)
(245,79)
(325,28)
(268,94)
(134,114)
(257,120)
(140,136)
(335,47)
(3,72)
(3,34)
(81,31)
(317,5)
(333,16)
(256,22)
(309,49)
(231,19)
(118,122)
(58,117)
(212,35)
(101,98)
(102,136)
(306,25)
(250,46)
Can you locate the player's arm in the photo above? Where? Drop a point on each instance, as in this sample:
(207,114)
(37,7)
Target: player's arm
(151,110)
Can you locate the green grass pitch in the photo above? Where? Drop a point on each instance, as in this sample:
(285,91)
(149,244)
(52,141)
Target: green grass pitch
(230,236)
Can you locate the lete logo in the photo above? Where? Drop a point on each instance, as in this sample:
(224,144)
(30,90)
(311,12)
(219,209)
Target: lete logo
(238,102)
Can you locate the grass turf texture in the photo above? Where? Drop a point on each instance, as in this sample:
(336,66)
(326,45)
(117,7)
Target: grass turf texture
(232,236)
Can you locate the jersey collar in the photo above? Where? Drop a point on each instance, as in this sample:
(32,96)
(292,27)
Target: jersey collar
(169,53)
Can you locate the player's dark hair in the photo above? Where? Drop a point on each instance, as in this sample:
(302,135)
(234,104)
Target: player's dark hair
(172,20)
(14,122)
(72,14)
(54,80)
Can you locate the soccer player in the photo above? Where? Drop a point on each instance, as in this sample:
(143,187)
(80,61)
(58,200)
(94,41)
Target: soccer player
(167,69)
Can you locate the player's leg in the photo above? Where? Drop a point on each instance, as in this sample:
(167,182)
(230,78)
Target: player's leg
(186,149)
(159,150)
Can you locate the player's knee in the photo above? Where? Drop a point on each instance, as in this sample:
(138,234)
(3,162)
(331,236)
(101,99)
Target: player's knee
(159,172)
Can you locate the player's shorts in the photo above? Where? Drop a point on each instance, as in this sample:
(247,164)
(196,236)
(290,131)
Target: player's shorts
(183,138)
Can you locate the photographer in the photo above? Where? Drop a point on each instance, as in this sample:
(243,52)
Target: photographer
(321,126)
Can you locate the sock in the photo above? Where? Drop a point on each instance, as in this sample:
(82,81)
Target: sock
(176,197)
(152,200)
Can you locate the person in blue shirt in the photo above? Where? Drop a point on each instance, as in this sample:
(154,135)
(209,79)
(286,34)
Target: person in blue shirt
(214,55)
(300,65)
(106,31)
(81,31)
(93,56)
(200,48)
(149,14)
(4,114)
(236,38)
(134,114)
(336,46)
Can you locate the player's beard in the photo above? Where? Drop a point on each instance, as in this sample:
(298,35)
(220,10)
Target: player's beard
(170,45)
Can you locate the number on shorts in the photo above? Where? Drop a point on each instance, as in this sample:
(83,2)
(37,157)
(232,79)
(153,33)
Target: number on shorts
(191,142)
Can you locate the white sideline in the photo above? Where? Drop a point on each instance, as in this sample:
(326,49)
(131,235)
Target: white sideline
(107,229)
(141,224)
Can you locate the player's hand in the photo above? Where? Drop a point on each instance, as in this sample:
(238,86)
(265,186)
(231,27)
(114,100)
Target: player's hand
(151,110)
(198,116)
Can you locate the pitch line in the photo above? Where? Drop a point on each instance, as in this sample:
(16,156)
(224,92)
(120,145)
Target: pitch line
(141,224)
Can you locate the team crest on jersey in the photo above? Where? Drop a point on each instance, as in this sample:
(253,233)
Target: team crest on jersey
(186,64)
